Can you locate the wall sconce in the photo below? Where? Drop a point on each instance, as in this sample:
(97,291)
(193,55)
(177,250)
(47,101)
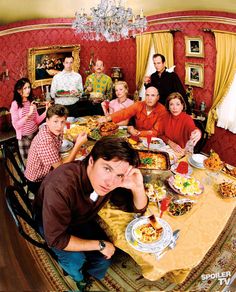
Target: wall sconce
(4,75)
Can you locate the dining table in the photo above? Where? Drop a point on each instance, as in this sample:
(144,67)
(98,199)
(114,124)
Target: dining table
(198,229)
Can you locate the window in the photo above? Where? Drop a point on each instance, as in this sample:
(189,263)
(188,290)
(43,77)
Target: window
(227,109)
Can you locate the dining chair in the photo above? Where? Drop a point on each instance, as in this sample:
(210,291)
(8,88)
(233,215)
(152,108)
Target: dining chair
(201,143)
(22,214)
(19,209)
(14,165)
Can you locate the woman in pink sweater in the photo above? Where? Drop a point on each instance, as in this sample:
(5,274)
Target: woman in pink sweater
(177,127)
(24,115)
(119,103)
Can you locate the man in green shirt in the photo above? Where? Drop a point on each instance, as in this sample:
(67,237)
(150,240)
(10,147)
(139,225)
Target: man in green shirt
(99,82)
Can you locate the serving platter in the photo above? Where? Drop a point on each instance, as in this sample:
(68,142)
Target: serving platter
(95,135)
(154,247)
(187,185)
(155,160)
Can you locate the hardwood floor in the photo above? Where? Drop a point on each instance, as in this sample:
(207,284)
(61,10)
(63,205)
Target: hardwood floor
(18,270)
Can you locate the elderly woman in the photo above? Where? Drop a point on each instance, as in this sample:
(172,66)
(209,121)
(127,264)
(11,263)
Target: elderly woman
(177,127)
(121,102)
(24,115)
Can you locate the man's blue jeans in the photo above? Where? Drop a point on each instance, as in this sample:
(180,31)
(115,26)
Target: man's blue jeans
(73,263)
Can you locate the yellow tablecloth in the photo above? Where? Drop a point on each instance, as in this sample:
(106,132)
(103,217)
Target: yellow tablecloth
(199,229)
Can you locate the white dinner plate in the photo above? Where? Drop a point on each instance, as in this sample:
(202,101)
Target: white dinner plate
(154,146)
(154,247)
(191,162)
(66,146)
(171,184)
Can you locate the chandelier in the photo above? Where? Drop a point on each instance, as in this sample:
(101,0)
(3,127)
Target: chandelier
(109,21)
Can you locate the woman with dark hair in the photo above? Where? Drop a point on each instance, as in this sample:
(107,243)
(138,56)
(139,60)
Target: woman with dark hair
(24,115)
(177,127)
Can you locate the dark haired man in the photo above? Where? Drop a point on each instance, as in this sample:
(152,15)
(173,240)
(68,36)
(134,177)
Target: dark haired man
(71,196)
(44,150)
(166,82)
(67,80)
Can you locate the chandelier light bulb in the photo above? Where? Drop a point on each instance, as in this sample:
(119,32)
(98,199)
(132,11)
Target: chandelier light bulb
(109,21)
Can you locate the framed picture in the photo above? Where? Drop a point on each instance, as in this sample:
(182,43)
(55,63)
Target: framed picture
(194,74)
(194,47)
(45,62)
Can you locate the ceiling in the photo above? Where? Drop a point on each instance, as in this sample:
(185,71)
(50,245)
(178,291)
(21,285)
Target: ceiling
(17,10)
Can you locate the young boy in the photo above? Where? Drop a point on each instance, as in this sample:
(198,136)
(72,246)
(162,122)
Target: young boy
(44,150)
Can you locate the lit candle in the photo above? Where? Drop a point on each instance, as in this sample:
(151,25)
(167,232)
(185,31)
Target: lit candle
(141,13)
(6,72)
(133,20)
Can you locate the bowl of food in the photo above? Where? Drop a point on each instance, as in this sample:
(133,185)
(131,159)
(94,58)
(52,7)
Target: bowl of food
(227,189)
(96,96)
(180,207)
(213,162)
(155,192)
(144,233)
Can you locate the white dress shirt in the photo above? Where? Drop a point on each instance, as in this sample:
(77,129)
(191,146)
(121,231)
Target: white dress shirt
(66,81)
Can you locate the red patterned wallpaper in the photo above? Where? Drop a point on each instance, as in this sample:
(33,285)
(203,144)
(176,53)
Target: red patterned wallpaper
(13,49)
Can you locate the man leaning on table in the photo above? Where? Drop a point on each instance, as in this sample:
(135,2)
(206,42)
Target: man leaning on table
(44,150)
(147,114)
(67,80)
(71,196)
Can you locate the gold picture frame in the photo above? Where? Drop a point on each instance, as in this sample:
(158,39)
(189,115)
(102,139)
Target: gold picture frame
(45,62)
(194,74)
(194,46)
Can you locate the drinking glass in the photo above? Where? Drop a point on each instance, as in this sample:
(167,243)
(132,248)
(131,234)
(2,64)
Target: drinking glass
(149,139)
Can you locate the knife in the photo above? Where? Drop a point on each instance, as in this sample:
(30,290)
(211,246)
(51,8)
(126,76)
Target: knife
(171,245)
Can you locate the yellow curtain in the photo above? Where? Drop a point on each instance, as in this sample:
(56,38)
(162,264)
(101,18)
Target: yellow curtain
(225,70)
(164,44)
(143,44)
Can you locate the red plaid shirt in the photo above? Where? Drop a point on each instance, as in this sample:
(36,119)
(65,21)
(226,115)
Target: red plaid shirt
(43,152)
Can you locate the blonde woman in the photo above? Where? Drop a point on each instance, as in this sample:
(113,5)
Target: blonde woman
(121,102)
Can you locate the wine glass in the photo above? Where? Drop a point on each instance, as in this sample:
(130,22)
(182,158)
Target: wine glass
(164,205)
(149,139)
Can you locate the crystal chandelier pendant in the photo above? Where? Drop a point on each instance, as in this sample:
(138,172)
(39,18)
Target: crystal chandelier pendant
(109,21)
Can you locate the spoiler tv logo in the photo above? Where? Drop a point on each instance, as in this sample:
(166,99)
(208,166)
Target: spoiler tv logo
(223,278)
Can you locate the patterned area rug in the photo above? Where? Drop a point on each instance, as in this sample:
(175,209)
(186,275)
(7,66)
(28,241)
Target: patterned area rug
(125,274)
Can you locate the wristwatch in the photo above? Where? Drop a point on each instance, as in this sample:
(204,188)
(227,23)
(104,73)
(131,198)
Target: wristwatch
(102,245)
